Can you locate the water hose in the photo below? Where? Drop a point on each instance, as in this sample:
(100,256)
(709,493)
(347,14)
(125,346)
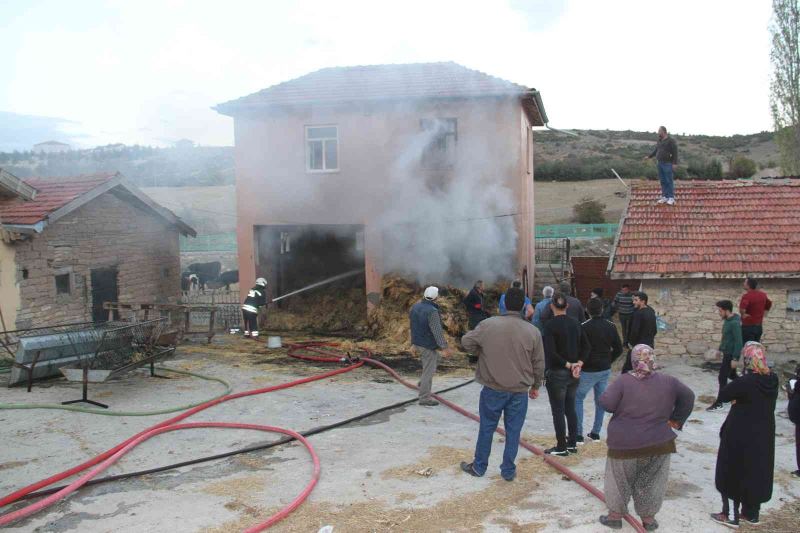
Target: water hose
(11,498)
(75,485)
(247,449)
(111,412)
(551,461)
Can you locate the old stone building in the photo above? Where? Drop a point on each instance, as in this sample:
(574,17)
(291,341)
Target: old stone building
(69,244)
(699,251)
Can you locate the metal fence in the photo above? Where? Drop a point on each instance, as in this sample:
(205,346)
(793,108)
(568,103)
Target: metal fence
(220,242)
(227,303)
(576,231)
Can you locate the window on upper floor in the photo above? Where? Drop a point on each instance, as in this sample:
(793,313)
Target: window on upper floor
(322,148)
(440,150)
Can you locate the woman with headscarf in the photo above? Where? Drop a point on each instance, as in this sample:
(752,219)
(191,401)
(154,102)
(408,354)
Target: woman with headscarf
(646,406)
(746,456)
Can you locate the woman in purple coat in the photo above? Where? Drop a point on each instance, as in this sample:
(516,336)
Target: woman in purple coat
(646,406)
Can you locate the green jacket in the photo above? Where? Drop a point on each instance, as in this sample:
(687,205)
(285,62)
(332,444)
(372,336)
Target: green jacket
(731,343)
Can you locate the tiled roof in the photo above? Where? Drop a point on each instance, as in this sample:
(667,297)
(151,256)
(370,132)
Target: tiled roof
(714,229)
(51,195)
(380,82)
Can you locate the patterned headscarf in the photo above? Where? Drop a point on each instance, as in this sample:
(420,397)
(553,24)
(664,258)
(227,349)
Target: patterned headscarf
(643,359)
(755,357)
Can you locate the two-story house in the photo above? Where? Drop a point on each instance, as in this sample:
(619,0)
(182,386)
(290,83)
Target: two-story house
(422,168)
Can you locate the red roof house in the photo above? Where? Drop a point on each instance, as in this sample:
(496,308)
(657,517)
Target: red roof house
(69,244)
(699,251)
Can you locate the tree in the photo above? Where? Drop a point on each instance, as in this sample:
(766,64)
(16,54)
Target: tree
(589,211)
(785,82)
(741,167)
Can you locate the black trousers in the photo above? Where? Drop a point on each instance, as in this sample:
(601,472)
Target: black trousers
(561,389)
(797,444)
(725,373)
(250,321)
(624,321)
(627,366)
(752,333)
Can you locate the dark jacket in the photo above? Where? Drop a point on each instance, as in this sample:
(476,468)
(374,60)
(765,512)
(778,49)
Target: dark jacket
(642,329)
(476,308)
(257,297)
(604,344)
(731,342)
(666,151)
(746,456)
(574,310)
(564,341)
(794,402)
(424,317)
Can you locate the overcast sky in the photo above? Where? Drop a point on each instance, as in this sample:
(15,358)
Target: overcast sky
(148,71)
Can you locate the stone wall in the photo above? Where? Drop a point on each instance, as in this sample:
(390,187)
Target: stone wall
(106,232)
(688,307)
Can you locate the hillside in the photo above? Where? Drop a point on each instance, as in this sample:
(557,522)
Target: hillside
(593,153)
(145,166)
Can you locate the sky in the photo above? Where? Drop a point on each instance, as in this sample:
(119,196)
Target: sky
(148,72)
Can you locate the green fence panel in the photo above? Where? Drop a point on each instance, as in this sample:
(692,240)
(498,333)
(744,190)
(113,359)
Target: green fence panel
(576,231)
(220,242)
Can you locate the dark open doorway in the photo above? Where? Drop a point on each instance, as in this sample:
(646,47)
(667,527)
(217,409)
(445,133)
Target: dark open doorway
(104,289)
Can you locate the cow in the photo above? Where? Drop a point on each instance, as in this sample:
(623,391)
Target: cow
(185,282)
(205,272)
(229,278)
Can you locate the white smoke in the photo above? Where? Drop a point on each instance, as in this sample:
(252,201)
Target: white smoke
(456,225)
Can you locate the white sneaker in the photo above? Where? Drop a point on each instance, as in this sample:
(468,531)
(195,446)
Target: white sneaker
(662,200)
(670,201)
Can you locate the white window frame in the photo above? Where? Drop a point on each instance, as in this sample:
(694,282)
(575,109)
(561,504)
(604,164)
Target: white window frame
(324,169)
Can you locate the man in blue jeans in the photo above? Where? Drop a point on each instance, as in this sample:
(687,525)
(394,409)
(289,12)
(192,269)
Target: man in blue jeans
(511,370)
(604,347)
(666,154)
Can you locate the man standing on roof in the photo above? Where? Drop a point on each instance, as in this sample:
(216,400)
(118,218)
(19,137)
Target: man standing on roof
(666,154)
(427,337)
(753,306)
(256,299)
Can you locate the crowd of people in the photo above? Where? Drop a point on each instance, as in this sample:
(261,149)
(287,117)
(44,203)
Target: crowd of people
(570,350)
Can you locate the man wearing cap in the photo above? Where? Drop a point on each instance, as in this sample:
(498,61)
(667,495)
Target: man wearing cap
(427,338)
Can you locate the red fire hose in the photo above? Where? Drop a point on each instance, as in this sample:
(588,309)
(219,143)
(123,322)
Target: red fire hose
(109,457)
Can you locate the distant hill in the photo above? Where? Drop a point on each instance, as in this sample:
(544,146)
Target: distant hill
(593,153)
(145,166)
(559,157)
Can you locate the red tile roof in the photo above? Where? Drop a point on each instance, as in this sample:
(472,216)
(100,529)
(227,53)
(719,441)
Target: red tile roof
(52,195)
(380,82)
(714,229)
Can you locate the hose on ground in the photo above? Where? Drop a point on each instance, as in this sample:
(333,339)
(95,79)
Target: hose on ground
(248,449)
(111,412)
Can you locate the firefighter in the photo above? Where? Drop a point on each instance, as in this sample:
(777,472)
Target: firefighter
(256,298)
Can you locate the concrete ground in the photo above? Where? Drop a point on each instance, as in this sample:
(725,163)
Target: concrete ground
(397,471)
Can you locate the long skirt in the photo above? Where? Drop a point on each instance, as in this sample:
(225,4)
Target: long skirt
(644,479)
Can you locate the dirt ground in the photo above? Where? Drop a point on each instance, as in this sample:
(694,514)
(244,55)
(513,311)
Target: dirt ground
(553,201)
(395,471)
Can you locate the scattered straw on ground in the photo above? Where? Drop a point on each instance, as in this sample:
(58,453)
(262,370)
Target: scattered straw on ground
(463,512)
(705,398)
(698,447)
(785,519)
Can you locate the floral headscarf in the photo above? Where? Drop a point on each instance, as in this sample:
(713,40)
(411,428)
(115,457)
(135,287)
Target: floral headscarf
(643,359)
(755,358)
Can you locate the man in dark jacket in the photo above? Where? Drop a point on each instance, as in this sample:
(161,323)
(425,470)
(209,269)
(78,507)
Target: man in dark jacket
(793,389)
(642,329)
(604,348)
(511,370)
(623,304)
(730,347)
(476,305)
(566,348)
(255,300)
(427,337)
(666,154)
(607,307)
(574,306)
